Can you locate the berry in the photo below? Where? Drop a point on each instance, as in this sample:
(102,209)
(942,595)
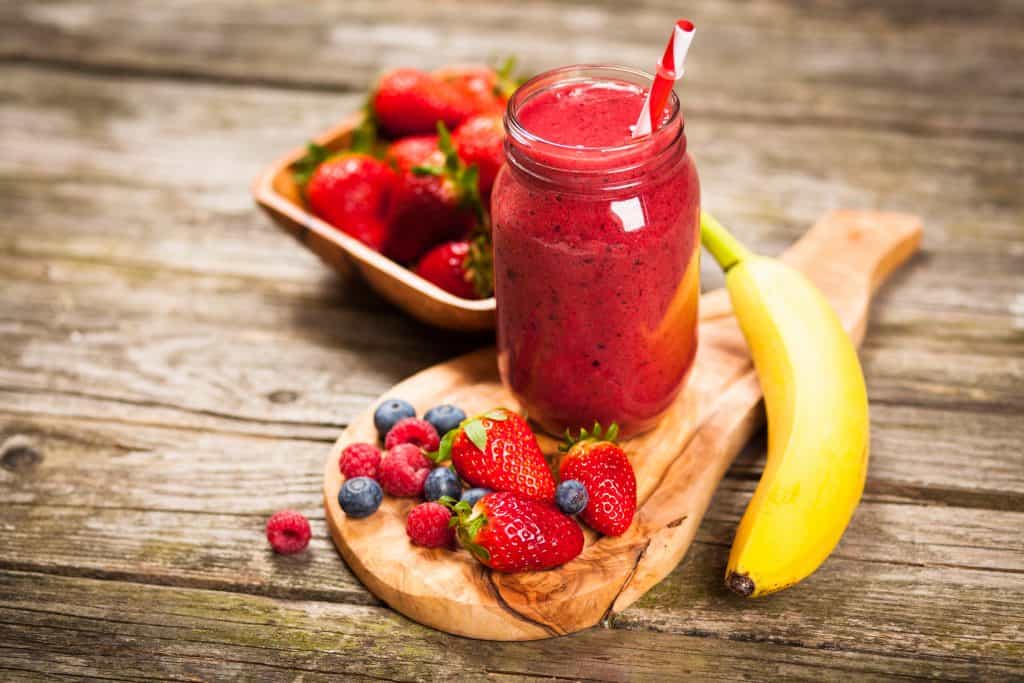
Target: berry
(445,266)
(437,201)
(353,192)
(471,496)
(480,141)
(427,525)
(445,417)
(486,89)
(512,533)
(415,431)
(407,153)
(404,471)
(359,460)
(389,412)
(288,532)
(597,462)
(442,482)
(411,102)
(498,450)
(360,497)
(571,497)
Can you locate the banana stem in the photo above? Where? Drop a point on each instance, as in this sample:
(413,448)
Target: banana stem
(723,246)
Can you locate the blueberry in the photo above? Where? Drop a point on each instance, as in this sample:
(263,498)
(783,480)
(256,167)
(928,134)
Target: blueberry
(360,497)
(389,412)
(441,482)
(471,496)
(445,417)
(571,497)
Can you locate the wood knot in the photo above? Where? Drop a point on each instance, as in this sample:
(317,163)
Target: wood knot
(19,457)
(283,396)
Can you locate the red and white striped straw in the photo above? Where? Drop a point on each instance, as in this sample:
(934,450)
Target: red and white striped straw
(670,70)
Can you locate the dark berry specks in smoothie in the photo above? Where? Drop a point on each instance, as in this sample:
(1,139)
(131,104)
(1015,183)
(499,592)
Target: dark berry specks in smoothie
(599,322)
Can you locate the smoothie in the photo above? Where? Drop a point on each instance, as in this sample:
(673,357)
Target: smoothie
(595,253)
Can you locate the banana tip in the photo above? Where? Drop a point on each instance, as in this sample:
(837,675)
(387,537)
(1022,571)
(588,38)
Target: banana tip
(741,584)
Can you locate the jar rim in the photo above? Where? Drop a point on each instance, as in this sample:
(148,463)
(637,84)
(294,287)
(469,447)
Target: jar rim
(557,76)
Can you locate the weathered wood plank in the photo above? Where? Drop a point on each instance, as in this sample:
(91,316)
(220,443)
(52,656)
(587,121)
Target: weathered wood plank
(969,269)
(303,364)
(84,627)
(111,142)
(168,506)
(934,69)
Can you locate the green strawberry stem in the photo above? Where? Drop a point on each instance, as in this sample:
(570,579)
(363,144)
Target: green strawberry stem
(596,433)
(306,165)
(467,522)
(726,249)
(444,450)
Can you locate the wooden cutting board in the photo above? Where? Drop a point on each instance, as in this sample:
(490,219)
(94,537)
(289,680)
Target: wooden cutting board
(848,254)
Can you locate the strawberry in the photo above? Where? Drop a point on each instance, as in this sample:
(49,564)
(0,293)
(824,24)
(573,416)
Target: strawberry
(445,266)
(411,102)
(351,191)
(407,153)
(486,90)
(480,141)
(497,450)
(509,532)
(597,462)
(435,202)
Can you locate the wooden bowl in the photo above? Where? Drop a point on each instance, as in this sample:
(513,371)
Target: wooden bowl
(277,193)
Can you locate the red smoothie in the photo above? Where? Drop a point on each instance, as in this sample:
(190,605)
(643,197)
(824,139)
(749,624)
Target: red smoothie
(595,252)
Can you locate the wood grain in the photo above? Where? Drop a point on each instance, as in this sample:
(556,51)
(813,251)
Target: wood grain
(131,632)
(678,464)
(130,133)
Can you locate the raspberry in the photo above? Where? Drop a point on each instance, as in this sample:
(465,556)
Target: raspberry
(360,460)
(427,525)
(403,471)
(415,431)
(288,532)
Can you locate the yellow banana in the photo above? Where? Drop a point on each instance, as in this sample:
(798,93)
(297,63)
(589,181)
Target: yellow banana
(818,425)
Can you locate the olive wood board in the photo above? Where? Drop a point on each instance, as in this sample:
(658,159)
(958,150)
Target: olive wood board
(678,464)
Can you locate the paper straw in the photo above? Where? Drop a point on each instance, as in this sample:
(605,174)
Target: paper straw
(670,69)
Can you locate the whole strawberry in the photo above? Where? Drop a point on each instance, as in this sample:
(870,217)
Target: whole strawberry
(407,153)
(478,85)
(352,192)
(435,202)
(480,141)
(446,266)
(411,102)
(509,532)
(597,462)
(485,89)
(498,451)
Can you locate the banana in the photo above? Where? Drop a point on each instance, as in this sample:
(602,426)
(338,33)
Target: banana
(818,424)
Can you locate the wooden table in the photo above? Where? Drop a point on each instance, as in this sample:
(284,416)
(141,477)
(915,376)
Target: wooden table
(173,369)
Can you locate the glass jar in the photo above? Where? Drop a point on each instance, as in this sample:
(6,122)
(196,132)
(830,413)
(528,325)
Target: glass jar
(596,252)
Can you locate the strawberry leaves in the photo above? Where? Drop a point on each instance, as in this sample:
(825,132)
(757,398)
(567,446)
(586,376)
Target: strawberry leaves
(507,82)
(596,433)
(305,166)
(467,524)
(479,263)
(476,433)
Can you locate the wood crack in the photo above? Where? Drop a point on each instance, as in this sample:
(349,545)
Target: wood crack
(496,591)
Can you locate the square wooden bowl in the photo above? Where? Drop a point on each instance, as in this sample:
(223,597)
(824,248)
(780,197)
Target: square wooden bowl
(277,193)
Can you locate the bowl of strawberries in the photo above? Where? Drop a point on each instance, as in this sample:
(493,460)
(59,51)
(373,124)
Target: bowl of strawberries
(400,191)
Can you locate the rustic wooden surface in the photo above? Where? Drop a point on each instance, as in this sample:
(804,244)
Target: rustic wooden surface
(173,368)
